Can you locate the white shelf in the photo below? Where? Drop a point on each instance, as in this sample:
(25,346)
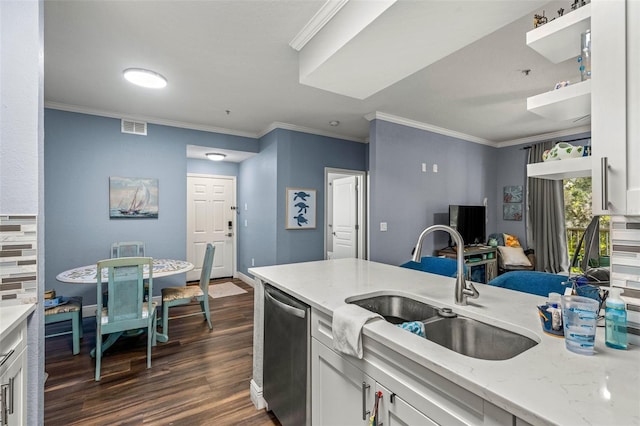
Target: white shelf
(559,39)
(561,169)
(567,103)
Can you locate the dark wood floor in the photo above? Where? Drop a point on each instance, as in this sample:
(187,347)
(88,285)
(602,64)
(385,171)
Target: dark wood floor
(199,377)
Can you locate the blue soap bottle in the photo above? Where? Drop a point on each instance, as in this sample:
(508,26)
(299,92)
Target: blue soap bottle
(615,320)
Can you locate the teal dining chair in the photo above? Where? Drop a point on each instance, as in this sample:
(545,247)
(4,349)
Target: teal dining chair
(174,296)
(127,249)
(69,310)
(126,308)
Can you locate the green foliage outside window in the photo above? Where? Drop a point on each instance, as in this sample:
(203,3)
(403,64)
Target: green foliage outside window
(577,210)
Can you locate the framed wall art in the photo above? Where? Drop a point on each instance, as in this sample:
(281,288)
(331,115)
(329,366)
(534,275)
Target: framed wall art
(512,194)
(512,212)
(133,198)
(301,208)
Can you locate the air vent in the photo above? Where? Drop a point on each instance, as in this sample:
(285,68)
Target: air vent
(134,127)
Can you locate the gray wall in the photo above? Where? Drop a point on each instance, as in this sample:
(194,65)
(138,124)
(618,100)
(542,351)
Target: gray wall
(287,159)
(302,158)
(409,200)
(257,211)
(511,169)
(81,153)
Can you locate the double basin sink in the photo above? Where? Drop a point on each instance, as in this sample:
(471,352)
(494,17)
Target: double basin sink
(460,334)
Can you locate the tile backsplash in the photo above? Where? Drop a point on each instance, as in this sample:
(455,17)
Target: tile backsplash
(625,268)
(18,259)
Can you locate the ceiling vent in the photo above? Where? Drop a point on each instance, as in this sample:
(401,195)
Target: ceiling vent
(134,127)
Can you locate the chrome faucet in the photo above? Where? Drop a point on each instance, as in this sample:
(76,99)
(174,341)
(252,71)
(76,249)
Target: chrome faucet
(463,289)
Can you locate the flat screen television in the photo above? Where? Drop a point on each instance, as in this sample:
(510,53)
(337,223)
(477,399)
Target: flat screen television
(470,222)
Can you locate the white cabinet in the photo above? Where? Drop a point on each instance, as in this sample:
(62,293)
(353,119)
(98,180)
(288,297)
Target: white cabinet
(341,393)
(343,388)
(616,98)
(344,394)
(609,121)
(13,367)
(395,411)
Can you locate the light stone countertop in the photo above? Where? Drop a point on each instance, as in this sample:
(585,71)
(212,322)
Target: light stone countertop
(11,315)
(546,384)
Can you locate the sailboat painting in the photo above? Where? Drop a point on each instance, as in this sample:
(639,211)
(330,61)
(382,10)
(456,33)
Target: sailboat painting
(133,198)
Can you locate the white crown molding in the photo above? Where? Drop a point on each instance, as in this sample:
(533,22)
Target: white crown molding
(428,127)
(293,127)
(204,128)
(316,23)
(179,124)
(545,136)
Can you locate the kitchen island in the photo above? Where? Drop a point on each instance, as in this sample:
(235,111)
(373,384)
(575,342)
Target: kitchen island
(543,385)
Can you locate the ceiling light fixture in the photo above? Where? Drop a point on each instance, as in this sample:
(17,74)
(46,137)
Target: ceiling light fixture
(215,156)
(334,123)
(145,78)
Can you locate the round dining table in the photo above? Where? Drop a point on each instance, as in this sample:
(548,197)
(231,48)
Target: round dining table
(88,275)
(161,268)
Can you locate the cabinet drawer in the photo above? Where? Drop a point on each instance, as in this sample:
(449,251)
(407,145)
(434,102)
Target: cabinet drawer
(321,327)
(12,345)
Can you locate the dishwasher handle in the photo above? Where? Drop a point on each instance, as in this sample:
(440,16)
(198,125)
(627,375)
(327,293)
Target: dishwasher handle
(300,313)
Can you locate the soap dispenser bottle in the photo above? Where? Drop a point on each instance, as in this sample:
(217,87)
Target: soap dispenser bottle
(615,320)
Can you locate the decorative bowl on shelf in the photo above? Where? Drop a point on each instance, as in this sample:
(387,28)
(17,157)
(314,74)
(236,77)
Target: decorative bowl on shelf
(561,151)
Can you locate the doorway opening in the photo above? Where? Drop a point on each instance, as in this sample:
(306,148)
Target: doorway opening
(345,213)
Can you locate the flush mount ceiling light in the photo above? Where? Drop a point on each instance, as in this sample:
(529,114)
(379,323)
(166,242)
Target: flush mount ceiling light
(145,78)
(334,123)
(215,156)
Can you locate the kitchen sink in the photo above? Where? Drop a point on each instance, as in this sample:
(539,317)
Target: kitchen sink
(460,334)
(476,339)
(397,309)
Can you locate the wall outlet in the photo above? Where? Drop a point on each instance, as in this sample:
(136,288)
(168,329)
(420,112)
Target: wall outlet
(435,168)
(253,262)
(383,226)
(424,167)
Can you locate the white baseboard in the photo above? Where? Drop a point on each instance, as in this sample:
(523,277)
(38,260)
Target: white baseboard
(256,396)
(246,279)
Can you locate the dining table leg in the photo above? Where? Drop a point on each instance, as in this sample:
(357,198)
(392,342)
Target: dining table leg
(111,339)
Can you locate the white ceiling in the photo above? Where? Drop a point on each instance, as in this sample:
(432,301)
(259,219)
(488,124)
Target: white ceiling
(231,69)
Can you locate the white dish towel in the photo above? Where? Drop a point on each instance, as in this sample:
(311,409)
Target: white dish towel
(346,327)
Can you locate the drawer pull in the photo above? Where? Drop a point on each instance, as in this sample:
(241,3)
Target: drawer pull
(604,170)
(365,412)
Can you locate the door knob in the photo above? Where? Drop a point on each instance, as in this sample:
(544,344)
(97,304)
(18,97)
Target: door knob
(230,234)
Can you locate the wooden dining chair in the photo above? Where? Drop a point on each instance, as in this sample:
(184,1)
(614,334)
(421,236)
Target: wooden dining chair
(127,249)
(174,296)
(126,306)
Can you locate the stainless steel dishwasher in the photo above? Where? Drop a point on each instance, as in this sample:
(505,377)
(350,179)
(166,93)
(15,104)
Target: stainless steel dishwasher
(287,350)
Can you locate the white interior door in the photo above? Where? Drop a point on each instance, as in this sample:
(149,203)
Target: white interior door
(345,217)
(210,219)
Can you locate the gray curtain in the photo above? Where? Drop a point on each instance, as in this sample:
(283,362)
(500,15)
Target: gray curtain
(546,232)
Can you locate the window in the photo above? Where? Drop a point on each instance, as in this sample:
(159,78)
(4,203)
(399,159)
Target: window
(577,213)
